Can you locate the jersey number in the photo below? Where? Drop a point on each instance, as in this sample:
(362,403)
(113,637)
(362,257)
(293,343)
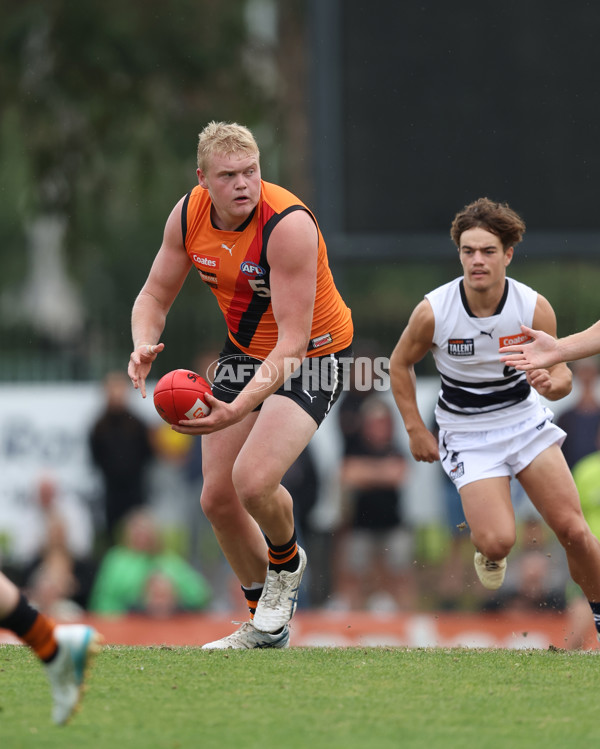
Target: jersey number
(259,286)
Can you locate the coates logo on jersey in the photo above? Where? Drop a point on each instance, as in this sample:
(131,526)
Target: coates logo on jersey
(514,340)
(252,270)
(205,261)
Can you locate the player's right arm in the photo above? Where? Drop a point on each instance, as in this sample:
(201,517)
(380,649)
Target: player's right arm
(414,343)
(169,270)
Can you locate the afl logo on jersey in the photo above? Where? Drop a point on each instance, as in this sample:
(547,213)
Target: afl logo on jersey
(253,270)
(461,347)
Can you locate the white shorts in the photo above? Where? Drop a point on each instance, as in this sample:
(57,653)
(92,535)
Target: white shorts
(472,456)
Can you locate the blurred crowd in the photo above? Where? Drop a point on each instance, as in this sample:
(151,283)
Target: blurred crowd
(151,551)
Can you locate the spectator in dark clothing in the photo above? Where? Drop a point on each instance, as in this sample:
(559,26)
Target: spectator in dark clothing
(302,479)
(350,402)
(121,448)
(377,567)
(582,422)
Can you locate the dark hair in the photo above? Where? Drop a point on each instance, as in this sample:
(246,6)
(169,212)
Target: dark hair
(497,218)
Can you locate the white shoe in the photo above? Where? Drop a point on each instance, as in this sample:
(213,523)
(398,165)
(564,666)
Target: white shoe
(248,637)
(490,573)
(66,672)
(279,597)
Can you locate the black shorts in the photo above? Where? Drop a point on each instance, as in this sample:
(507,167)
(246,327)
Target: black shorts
(314,386)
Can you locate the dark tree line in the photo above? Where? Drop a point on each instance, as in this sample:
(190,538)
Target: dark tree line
(101,106)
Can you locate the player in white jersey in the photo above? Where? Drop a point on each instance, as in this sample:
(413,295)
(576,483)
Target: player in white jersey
(492,424)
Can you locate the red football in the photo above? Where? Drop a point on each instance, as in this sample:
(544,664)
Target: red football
(180,395)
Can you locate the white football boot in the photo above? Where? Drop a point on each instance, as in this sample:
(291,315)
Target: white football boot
(77,643)
(279,597)
(248,637)
(490,573)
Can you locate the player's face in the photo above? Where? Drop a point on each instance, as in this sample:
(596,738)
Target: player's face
(483,259)
(233,182)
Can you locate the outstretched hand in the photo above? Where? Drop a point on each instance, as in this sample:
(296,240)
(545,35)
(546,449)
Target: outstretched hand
(539,353)
(140,364)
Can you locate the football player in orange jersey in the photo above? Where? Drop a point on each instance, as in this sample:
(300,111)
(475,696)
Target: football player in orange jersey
(260,251)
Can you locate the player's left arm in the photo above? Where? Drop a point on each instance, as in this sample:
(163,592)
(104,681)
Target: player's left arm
(292,254)
(556,381)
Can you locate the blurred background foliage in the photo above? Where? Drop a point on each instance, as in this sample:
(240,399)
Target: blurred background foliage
(102,102)
(101,106)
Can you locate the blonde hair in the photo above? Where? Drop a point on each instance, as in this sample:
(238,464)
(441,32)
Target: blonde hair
(224,138)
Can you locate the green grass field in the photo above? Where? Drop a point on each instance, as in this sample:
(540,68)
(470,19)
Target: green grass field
(174,698)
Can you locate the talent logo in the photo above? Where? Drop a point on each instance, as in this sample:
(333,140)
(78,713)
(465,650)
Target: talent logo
(514,340)
(253,270)
(206,261)
(461,347)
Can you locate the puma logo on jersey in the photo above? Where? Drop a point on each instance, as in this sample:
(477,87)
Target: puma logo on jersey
(229,249)
(312,397)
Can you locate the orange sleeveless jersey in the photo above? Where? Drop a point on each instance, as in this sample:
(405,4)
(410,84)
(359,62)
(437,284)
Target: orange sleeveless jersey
(234,265)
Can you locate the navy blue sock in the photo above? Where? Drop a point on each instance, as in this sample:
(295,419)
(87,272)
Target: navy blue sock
(252,596)
(21,619)
(284,557)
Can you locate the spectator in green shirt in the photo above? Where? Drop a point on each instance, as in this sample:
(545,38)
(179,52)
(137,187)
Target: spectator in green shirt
(139,575)
(586,474)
